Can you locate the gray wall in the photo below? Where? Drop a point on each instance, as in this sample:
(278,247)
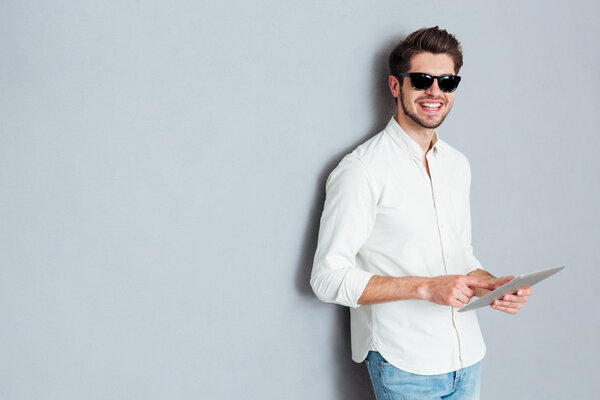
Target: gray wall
(162,167)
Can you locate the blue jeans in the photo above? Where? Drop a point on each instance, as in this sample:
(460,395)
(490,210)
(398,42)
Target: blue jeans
(391,383)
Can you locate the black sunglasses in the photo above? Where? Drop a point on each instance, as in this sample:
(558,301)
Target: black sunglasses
(421,81)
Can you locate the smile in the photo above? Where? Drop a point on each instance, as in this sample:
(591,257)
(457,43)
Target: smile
(430,106)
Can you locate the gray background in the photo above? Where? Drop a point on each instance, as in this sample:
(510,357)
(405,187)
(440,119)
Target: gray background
(162,167)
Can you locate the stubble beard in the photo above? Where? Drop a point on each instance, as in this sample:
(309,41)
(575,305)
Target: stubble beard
(416,118)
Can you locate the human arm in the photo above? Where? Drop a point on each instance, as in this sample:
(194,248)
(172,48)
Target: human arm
(346,223)
(510,303)
(449,290)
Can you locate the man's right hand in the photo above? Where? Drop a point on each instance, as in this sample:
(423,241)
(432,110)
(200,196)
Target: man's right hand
(452,290)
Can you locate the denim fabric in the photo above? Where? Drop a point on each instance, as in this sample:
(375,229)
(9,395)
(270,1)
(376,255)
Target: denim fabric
(391,383)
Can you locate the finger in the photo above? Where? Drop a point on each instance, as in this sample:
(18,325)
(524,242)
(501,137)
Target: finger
(467,291)
(457,298)
(505,279)
(502,280)
(513,298)
(463,299)
(509,304)
(525,292)
(480,283)
(507,310)
(457,303)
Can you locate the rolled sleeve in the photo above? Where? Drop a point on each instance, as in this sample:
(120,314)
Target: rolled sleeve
(346,223)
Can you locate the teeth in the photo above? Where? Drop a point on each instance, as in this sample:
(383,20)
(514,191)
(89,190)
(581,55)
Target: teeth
(431,105)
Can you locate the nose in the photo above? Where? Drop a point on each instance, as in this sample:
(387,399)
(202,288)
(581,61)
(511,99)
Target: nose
(434,90)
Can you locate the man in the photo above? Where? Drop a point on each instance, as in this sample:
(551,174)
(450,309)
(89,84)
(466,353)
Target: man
(395,238)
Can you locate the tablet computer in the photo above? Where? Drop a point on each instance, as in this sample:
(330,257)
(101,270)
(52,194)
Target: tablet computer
(520,282)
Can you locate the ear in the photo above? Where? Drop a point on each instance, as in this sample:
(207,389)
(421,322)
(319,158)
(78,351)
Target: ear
(394,84)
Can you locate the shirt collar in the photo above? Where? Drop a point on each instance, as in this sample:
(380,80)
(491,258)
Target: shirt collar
(408,144)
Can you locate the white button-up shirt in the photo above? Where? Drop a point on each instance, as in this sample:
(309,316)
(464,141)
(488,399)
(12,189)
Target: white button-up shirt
(384,215)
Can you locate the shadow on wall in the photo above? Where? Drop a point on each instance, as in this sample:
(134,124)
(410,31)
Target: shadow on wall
(352,379)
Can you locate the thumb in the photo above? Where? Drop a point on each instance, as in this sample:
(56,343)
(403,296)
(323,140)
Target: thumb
(502,280)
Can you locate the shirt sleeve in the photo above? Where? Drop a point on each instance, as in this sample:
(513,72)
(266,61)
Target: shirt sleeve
(472,263)
(346,223)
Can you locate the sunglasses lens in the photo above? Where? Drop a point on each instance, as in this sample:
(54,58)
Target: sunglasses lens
(448,83)
(421,81)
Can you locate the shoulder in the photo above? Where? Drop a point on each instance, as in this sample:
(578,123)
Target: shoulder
(368,161)
(375,151)
(379,153)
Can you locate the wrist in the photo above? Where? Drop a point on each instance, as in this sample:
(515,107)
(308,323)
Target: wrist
(421,288)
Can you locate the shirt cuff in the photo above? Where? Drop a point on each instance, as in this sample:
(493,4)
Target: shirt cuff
(341,286)
(353,286)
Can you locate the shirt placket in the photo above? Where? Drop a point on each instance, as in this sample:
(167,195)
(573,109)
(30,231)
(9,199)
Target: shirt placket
(435,193)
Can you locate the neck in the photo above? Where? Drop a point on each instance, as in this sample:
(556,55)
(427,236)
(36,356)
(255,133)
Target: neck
(425,137)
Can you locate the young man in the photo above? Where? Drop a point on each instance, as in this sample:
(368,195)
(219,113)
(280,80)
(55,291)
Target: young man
(395,238)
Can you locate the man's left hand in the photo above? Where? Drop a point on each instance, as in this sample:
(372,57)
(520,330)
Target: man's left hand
(510,303)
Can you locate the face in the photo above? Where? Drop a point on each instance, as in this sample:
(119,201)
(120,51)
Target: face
(424,108)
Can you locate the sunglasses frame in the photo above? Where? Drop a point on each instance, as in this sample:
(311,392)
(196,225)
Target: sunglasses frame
(432,77)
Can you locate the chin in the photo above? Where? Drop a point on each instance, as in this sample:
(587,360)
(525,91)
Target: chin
(429,124)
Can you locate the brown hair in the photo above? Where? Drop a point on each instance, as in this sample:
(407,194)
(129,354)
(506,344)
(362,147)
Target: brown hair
(433,40)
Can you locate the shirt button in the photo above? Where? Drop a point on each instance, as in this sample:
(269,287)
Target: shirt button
(442,226)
